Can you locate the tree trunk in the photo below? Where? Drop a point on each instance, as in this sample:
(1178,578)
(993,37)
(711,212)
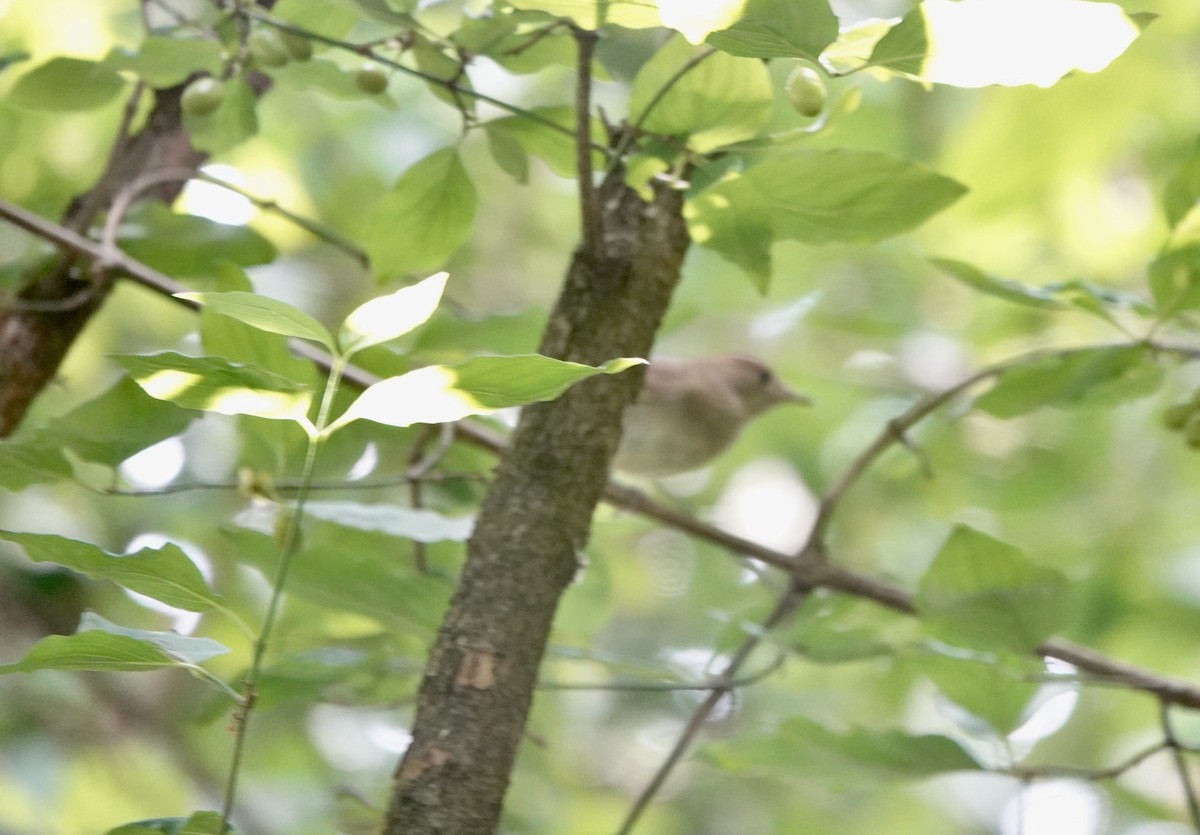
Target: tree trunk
(535,521)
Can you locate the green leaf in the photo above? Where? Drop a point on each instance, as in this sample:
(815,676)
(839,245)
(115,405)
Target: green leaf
(1002,288)
(180,244)
(27,462)
(805,749)
(115,425)
(1175,280)
(779,29)
(840,195)
(555,148)
(164,62)
(1183,189)
(232,123)
(200,823)
(352,570)
(329,78)
(394,520)
(99,651)
(981,592)
(442,394)
(333,20)
(716,101)
(214,385)
(165,574)
(425,217)
(1092,375)
(183,648)
(226,337)
(265,313)
(592,14)
(975,43)
(389,317)
(997,689)
(63,84)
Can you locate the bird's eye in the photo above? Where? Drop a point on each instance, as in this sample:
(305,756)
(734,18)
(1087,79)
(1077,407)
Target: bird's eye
(764,376)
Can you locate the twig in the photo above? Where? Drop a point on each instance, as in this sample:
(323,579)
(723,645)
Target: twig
(1181,766)
(718,683)
(786,604)
(631,133)
(807,573)
(1093,774)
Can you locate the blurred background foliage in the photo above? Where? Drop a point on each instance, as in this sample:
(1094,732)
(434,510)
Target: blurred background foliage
(1065,183)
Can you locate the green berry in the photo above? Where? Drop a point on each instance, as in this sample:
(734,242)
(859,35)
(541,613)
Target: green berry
(370,78)
(266,48)
(202,96)
(806,91)
(1176,417)
(298,47)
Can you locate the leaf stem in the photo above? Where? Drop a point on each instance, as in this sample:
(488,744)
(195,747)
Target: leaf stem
(291,545)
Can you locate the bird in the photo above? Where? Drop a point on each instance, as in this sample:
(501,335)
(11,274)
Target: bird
(691,410)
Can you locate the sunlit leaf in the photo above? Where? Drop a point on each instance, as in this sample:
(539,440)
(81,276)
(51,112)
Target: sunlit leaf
(389,317)
(981,592)
(265,313)
(214,385)
(162,61)
(442,394)
(975,43)
(65,84)
(419,223)
(711,98)
(165,574)
(396,520)
(1096,375)
(592,14)
(840,195)
(778,29)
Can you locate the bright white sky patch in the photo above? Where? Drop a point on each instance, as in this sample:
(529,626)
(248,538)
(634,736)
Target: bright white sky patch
(975,43)
(155,466)
(216,203)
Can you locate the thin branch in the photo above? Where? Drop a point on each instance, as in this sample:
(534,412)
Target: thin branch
(722,682)
(1094,774)
(635,128)
(1181,766)
(786,604)
(806,573)
(416,73)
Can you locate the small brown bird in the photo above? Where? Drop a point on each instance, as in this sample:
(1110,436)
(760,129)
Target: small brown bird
(691,410)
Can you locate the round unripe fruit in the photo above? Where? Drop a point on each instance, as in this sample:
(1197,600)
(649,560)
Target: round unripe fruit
(806,91)
(266,48)
(202,96)
(1176,417)
(370,78)
(297,46)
